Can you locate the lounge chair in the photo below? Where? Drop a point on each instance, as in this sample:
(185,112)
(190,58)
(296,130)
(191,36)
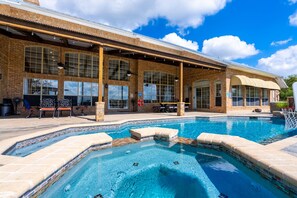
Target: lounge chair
(47,104)
(64,105)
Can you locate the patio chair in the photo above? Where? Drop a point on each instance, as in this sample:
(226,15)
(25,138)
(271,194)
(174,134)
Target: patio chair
(47,104)
(64,105)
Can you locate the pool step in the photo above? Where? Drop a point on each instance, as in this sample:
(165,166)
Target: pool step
(150,133)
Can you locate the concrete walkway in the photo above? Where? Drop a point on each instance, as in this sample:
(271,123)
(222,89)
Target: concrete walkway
(17,126)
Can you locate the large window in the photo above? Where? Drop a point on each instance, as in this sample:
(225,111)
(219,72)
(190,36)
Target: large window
(41,60)
(218,86)
(237,98)
(252,96)
(82,65)
(158,87)
(81,93)
(265,97)
(118,97)
(36,89)
(118,70)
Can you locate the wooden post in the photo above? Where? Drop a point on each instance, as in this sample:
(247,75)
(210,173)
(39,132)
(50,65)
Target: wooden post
(100,75)
(181,82)
(100,105)
(181,104)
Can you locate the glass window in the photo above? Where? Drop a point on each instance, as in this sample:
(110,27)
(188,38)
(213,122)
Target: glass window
(118,97)
(218,96)
(265,97)
(158,87)
(95,66)
(50,60)
(117,70)
(41,60)
(82,65)
(36,89)
(81,93)
(252,96)
(150,92)
(237,98)
(71,62)
(85,65)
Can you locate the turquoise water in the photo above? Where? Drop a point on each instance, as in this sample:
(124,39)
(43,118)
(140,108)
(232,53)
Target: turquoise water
(152,169)
(262,130)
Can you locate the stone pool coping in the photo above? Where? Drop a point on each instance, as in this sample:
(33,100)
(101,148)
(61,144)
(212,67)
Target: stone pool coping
(154,132)
(7,144)
(21,177)
(278,167)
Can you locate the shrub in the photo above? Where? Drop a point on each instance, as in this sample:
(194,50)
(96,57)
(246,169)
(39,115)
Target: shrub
(282,105)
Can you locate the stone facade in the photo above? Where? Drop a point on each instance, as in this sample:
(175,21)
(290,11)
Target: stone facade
(12,70)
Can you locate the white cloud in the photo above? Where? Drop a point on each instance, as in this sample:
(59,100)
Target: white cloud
(282,62)
(292,1)
(293,19)
(282,42)
(132,14)
(177,40)
(228,47)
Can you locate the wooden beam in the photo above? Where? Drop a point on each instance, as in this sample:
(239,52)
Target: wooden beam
(100,75)
(181,82)
(6,33)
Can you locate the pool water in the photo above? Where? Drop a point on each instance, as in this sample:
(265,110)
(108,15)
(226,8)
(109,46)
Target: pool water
(155,169)
(262,130)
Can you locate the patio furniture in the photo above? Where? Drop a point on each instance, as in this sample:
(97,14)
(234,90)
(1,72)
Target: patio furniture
(28,108)
(64,105)
(47,104)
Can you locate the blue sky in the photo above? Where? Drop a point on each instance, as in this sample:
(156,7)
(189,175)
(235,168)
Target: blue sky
(259,33)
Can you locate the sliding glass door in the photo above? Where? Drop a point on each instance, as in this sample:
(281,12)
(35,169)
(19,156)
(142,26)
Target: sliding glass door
(202,95)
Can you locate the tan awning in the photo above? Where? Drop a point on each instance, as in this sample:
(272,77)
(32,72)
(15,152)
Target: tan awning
(253,82)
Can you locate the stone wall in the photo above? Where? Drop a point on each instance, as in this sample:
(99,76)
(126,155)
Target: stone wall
(4,48)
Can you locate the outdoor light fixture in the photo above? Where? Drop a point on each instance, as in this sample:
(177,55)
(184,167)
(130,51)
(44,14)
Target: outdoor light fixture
(61,65)
(129,73)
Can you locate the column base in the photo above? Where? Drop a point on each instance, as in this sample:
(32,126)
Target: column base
(100,106)
(180,109)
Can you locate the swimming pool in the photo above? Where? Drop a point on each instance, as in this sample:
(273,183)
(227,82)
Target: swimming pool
(261,130)
(151,169)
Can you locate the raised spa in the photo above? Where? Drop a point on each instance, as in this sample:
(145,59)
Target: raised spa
(154,169)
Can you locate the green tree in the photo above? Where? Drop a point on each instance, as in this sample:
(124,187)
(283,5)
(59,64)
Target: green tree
(284,93)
